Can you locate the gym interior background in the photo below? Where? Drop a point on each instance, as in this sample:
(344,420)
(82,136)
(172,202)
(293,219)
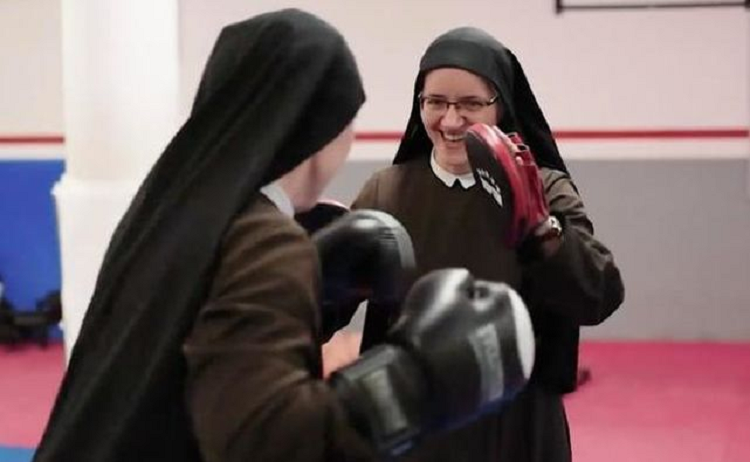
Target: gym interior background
(650,106)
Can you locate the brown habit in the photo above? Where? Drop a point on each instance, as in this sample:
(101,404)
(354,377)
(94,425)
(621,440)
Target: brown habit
(255,342)
(579,285)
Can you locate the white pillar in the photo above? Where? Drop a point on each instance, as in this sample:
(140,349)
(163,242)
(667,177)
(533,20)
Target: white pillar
(747,114)
(120,97)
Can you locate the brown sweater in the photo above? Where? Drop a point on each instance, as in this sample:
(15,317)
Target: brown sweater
(254,387)
(579,285)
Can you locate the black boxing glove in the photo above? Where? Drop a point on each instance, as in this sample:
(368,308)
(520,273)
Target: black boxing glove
(364,254)
(460,349)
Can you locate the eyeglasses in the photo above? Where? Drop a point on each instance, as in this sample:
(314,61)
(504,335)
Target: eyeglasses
(440,105)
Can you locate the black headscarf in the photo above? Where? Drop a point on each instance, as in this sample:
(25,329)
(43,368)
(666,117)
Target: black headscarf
(476,51)
(276,89)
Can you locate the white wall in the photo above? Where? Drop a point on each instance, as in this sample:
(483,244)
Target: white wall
(683,69)
(675,211)
(623,70)
(30,67)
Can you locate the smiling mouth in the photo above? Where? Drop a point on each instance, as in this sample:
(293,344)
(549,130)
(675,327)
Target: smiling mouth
(453,137)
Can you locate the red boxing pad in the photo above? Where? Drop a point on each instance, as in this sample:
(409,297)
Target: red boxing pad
(326,211)
(515,138)
(538,210)
(497,172)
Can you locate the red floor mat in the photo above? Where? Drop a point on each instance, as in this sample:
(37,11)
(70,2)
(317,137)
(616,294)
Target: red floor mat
(663,402)
(645,401)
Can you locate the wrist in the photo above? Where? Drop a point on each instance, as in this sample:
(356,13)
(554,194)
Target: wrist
(549,236)
(549,229)
(543,241)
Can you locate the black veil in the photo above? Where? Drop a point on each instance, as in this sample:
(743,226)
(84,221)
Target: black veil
(276,89)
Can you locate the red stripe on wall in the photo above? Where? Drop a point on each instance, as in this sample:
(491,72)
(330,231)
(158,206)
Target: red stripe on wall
(378,136)
(630,134)
(712,133)
(32,139)
(581,135)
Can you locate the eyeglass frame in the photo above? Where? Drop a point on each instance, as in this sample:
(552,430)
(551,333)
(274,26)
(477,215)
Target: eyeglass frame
(485,103)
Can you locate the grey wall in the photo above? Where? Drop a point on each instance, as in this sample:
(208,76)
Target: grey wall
(680,233)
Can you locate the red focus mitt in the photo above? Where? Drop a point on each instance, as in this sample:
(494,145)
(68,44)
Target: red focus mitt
(505,168)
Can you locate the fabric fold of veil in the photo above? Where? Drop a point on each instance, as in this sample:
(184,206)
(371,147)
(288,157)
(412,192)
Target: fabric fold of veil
(276,89)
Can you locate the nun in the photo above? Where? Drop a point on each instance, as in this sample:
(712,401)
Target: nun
(567,277)
(201,341)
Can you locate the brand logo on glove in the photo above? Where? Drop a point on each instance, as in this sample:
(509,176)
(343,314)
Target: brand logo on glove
(489,185)
(488,355)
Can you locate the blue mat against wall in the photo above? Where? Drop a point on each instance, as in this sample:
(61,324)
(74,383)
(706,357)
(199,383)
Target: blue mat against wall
(15,454)
(29,248)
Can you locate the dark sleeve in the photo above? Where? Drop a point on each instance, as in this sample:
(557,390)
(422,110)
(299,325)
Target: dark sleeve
(253,388)
(377,317)
(581,281)
(368,195)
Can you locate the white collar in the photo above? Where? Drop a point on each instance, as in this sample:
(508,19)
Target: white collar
(466,180)
(280,199)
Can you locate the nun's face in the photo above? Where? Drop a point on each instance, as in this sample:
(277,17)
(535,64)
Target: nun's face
(451,101)
(328,161)
(334,154)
